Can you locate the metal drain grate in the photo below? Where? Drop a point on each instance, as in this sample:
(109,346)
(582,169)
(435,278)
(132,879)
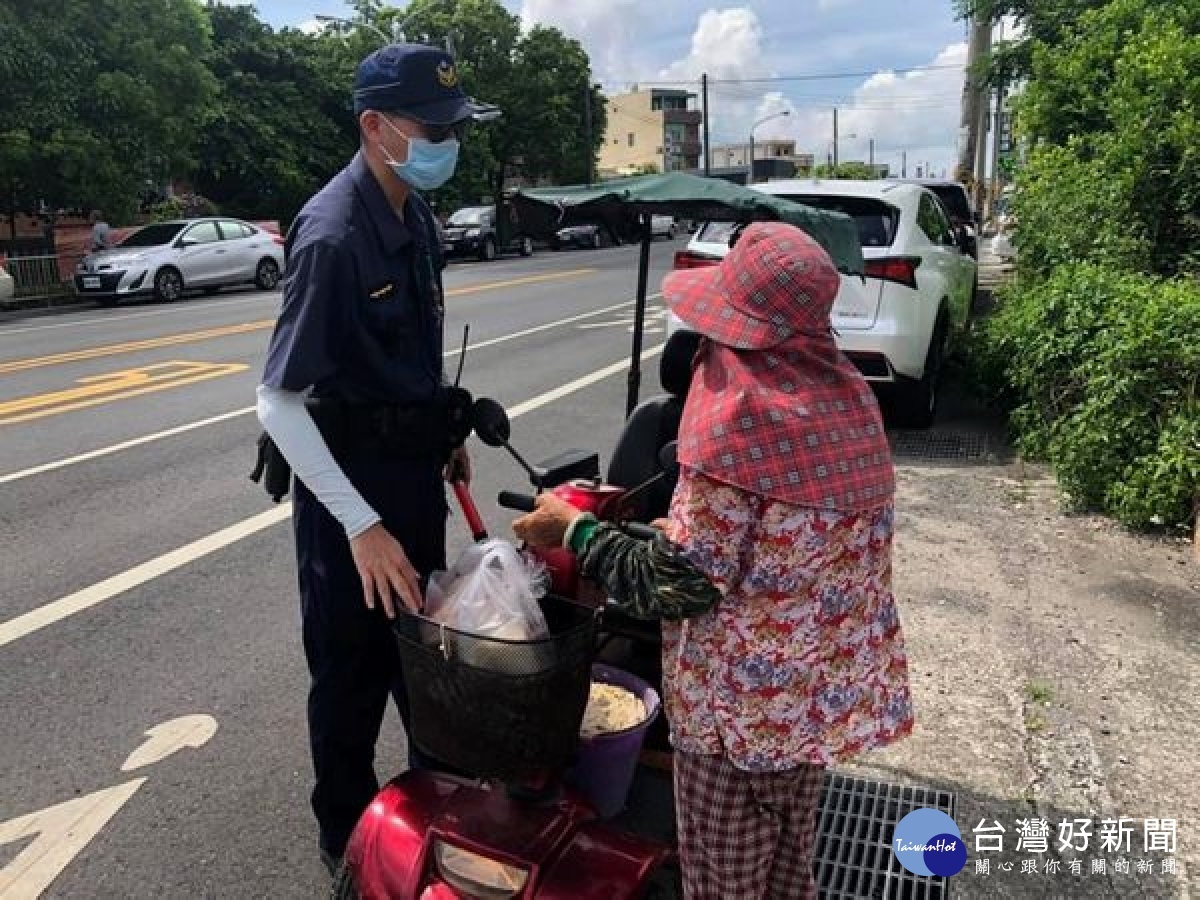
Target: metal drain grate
(941,446)
(854,858)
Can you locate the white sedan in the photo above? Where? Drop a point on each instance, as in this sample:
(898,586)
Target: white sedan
(169,258)
(898,322)
(7,286)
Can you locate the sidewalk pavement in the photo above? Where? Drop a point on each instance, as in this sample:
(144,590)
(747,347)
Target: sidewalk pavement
(1055,663)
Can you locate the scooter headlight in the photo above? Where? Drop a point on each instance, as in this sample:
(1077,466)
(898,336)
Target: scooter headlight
(478,876)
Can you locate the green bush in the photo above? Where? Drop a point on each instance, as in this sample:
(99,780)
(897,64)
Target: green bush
(1103,371)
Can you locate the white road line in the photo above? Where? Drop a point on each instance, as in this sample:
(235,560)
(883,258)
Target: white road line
(93,595)
(255,297)
(121,317)
(124,445)
(579,384)
(225,417)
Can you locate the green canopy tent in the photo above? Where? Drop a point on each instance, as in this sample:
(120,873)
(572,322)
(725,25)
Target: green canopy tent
(543,211)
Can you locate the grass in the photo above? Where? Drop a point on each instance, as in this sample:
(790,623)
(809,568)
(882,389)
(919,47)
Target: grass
(1039,692)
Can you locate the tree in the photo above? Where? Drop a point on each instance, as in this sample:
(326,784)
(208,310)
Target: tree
(282,125)
(1111,110)
(100,101)
(541,81)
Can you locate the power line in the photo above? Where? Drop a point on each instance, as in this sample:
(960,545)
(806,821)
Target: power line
(776,79)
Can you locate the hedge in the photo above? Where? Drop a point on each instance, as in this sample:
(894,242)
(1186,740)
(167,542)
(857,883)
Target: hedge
(1101,369)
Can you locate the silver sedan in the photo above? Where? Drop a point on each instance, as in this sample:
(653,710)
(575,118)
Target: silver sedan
(166,259)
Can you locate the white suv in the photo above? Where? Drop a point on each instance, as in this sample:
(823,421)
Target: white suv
(898,322)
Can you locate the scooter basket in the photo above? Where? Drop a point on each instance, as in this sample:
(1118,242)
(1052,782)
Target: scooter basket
(497,709)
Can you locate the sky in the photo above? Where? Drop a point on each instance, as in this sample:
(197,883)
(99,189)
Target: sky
(902,64)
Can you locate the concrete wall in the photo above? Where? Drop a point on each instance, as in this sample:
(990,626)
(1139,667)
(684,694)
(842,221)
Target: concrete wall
(634,136)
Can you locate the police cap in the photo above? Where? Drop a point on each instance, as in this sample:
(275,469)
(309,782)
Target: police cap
(417,81)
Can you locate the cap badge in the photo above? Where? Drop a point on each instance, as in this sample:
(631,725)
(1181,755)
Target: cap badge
(447,76)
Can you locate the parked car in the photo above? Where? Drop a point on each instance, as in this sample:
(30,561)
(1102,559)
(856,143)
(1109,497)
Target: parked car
(663,226)
(957,200)
(8,288)
(168,259)
(899,321)
(472,231)
(584,236)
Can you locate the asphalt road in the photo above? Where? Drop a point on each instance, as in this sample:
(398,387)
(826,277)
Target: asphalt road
(146,579)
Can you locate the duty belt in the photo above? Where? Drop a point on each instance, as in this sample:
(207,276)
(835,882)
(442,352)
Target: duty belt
(354,430)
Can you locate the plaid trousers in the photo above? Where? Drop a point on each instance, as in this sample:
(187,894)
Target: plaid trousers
(746,835)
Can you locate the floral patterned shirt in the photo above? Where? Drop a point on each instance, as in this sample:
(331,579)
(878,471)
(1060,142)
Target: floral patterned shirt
(803,659)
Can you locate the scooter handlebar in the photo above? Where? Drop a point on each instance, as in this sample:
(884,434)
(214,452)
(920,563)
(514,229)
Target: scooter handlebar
(526,503)
(519,502)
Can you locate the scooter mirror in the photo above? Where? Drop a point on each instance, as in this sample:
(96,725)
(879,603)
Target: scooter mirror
(668,460)
(491,422)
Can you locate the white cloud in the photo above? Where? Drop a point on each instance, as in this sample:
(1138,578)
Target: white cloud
(726,44)
(608,29)
(915,112)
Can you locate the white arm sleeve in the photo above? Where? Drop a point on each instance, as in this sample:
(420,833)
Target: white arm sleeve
(291,427)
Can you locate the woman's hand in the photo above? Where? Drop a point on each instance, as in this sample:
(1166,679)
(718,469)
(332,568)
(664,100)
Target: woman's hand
(547,525)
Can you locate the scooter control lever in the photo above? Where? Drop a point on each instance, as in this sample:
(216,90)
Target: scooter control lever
(519,502)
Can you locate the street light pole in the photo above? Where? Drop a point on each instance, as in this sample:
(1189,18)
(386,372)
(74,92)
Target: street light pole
(762,121)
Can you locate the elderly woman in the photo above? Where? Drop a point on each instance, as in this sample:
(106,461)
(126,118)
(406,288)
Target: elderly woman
(782,649)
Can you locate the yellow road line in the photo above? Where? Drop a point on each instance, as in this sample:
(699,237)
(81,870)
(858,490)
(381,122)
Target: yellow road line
(100,389)
(171,340)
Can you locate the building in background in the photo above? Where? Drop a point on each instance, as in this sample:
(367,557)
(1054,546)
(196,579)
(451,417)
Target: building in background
(730,156)
(773,159)
(651,130)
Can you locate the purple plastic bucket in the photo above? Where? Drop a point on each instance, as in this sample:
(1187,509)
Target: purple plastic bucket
(606,763)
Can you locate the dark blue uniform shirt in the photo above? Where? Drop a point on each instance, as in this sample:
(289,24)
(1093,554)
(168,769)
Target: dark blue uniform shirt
(362,301)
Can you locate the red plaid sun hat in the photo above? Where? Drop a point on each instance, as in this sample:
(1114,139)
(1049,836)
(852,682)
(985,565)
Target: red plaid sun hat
(775,282)
(774,407)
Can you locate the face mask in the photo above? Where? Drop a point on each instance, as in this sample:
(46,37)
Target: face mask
(429,165)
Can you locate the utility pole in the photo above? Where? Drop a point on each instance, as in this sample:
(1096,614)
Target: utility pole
(974,95)
(997,126)
(903,163)
(707,153)
(981,149)
(835,143)
(871,157)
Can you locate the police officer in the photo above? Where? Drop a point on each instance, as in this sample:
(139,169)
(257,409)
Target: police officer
(353,396)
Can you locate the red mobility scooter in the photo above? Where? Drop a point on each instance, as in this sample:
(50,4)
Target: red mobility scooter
(507,714)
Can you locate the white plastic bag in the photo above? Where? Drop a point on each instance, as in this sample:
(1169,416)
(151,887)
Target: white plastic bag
(492,590)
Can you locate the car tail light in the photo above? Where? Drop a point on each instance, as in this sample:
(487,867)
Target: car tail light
(686,259)
(478,876)
(278,238)
(900,269)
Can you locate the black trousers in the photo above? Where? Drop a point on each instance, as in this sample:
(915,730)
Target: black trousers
(351,654)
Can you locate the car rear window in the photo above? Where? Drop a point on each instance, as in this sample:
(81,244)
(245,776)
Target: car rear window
(875,219)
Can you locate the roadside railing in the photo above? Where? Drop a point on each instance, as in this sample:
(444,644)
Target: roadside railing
(40,276)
